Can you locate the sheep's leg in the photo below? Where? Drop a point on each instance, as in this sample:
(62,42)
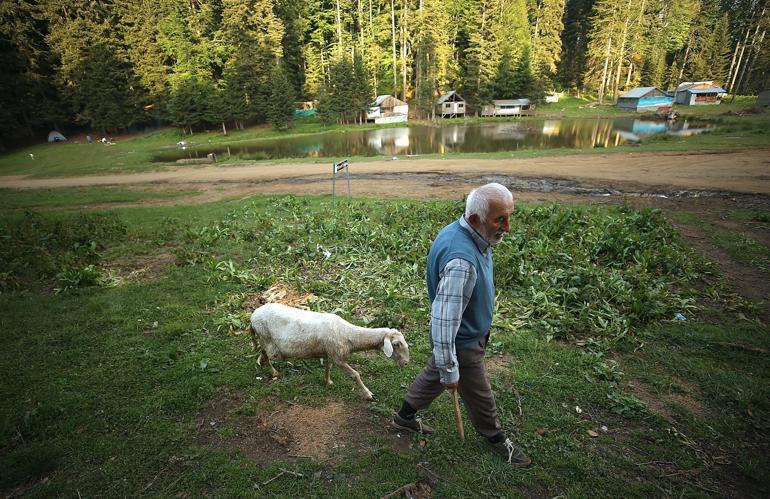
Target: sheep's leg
(273,372)
(357,377)
(327,374)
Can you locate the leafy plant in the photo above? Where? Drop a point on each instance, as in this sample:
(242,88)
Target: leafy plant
(77,277)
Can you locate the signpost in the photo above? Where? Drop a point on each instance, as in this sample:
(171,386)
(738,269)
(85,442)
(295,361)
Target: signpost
(336,168)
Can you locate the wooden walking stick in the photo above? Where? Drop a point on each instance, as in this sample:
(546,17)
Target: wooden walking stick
(458,416)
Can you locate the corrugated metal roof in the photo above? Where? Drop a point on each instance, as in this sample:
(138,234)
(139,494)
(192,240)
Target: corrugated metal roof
(711,90)
(379,99)
(686,85)
(640,92)
(448,95)
(382,98)
(511,102)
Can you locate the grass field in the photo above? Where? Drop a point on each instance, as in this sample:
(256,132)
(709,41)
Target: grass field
(128,372)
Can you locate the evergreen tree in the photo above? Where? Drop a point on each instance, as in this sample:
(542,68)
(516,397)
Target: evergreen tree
(95,75)
(29,101)
(705,56)
(546,39)
(346,96)
(574,41)
(189,104)
(280,107)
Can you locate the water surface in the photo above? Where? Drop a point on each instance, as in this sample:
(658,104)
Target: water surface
(441,139)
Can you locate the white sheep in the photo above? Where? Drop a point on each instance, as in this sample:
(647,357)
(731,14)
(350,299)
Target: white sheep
(286,332)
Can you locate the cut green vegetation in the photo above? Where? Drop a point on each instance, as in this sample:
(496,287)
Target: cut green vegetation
(130,374)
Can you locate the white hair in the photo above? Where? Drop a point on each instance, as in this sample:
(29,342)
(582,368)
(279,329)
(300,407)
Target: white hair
(479,198)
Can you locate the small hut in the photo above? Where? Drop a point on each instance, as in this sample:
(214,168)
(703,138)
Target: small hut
(506,107)
(646,99)
(692,93)
(387,109)
(451,105)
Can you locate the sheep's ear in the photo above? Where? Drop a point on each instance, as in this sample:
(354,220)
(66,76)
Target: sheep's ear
(387,347)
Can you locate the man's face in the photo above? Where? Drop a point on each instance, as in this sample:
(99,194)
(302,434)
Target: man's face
(496,224)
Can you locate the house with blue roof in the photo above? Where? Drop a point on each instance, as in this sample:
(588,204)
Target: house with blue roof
(646,99)
(693,93)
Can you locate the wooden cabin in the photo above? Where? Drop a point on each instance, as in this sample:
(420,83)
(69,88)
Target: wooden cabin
(506,107)
(693,93)
(643,99)
(450,105)
(387,109)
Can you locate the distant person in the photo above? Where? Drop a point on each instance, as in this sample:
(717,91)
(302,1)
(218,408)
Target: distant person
(89,139)
(462,294)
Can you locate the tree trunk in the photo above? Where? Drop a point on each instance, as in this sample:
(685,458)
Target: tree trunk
(404,10)
(604,71)
(754,60)
(224,128)
(749,61)
(393,43)
(684,59)
(339,30)
(630,71)
(733,75)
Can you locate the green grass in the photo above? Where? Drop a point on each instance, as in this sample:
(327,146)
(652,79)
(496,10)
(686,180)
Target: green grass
(744,248)
(64,197)
(106,382)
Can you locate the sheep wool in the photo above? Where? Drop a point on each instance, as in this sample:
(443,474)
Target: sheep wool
(285,332)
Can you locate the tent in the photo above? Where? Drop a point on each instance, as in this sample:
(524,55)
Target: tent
(55,136)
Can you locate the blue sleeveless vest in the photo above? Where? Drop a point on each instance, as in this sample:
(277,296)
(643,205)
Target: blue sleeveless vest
(456,242)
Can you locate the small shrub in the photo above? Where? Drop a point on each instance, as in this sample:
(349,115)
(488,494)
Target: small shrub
(80,277)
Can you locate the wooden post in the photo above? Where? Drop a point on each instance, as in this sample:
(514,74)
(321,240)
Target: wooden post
(458,416)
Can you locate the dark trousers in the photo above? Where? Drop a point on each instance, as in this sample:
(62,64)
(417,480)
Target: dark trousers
(473,387)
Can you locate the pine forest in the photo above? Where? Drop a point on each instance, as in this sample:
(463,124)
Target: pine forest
(121,65)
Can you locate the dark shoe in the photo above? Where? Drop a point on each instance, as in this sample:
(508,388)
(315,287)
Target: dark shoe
(510,453)
(415,425)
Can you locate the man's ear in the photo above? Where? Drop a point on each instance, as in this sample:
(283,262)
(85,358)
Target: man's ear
(474,219)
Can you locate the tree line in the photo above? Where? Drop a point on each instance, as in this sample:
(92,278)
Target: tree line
(114,65)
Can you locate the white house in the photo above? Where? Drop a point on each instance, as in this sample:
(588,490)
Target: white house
(506,107)
(387,109)
(693,93)
(451,105)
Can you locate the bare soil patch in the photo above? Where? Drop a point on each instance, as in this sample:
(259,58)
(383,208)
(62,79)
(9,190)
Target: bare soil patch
(141,268)
(280,293)
(270,431)
(660,402)
(497,364)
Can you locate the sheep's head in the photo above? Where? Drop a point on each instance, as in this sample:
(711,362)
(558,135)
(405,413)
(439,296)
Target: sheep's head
(395,347)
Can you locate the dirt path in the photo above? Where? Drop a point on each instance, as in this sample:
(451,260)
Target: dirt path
(734,172)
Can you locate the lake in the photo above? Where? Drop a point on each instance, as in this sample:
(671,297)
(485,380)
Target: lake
(451,138)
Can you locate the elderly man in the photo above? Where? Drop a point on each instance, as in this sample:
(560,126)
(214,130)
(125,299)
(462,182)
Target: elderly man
(462,295)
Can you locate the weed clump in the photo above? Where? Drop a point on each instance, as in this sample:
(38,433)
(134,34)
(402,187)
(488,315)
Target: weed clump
(40,247)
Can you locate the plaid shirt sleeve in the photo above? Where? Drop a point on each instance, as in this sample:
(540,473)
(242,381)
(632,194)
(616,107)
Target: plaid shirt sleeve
(455,287)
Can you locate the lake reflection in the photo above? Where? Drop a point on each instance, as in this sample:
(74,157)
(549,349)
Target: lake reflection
(421,139)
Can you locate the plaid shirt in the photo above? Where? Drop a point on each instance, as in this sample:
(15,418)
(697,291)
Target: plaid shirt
(456,283)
